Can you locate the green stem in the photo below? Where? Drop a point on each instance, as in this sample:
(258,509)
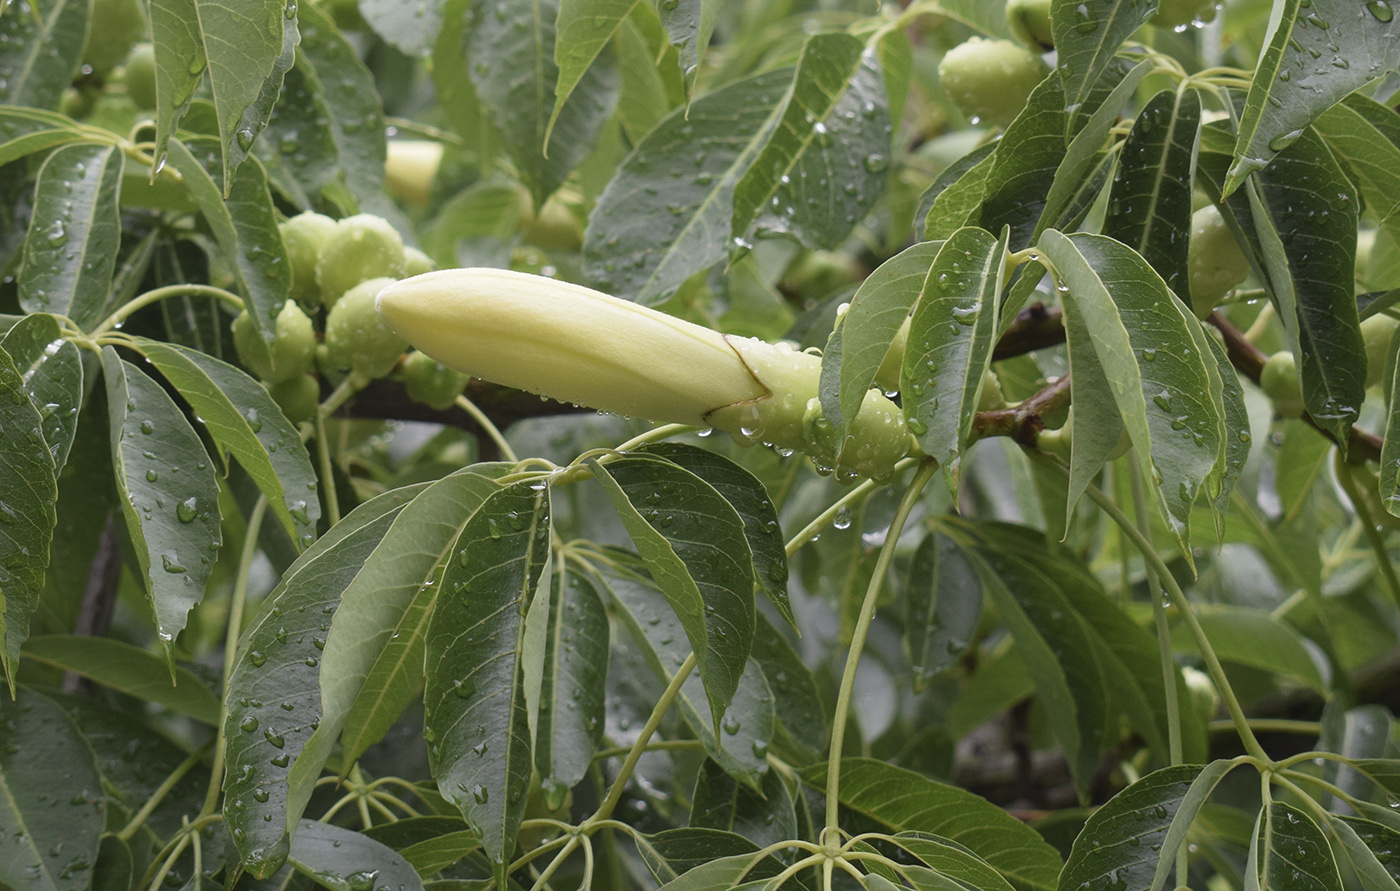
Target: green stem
(139,818)
(665,431)
(824,519)
(1164,635)
(231,635)
(1368,525)
(486,425)
(323,453)
(867,613)
(154,296)
(1271,725)
(1178,598)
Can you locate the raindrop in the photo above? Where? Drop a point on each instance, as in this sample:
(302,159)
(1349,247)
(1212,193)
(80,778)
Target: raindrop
(187,510)
(1381,10)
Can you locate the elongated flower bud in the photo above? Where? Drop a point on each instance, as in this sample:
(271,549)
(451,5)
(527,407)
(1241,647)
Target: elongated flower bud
(577,345)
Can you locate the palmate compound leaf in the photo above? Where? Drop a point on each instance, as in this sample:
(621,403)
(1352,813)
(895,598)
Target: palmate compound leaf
(906,801)
(1319,52)
(861,339)
(693,543)
(475,710)
(274,697)
(71,249)
(666,213)
(168,491)
(1163,377)
(949,350)
(242,418)
(740,740)
(50,797)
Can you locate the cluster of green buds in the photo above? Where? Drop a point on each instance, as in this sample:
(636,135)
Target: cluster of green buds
(577,345)
(337,269)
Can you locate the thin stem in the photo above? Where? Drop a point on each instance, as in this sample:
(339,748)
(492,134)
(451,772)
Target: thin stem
(323,455)
(1368,524)
(867,612)
(665,431)
(158,294)
(1260,324)
(665,745)
(1271,725)
(663,704)
(140,817)
(1178,597)
(824,519)
(486,425)
(231,634)
(1164,635)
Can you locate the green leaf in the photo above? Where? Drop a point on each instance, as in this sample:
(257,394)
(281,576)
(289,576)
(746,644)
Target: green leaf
(857,346)
(339,857)
(720,802)
(826,163)
(254,118)
(1237,436)
(574,688)
(242,418)
(951,861)
(694,546)
(748,723)
(746,494)
(1304,213)
(673,852)
(907,801)
(690,24)
(1087,34)
(1147,344)
(1295,855)
(50,797)
(954,199)
(1365,136)
(510,52)
(298,149)
(1024,166)
(130,669)
(409,27)
(168,491)
(24,131)
(796,701)
(1149,208)
(71,249)
(41,48)
(644,96)
(582,28)
(474,703)
(1319,52)
(1124,842)
(115,869)
(245,227)
(1255,637)
(433,855)
(1370,849)
(714,874)
(665,215)
(52,372)
(238,45)
(943,606)
(274,695)
(950,345)
(987,16)
(1389,470)
(334,72)
(1094,421)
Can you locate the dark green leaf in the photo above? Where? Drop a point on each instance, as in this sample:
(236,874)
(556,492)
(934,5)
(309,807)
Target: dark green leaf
(665,215)
(1295,855)
(1149,208)
(274,698)
(50,797)
(943,605)
(1255,637)
(52,371)
(951,861)
(690,24)
(71,249)
(904,800)
(1237,436)
(955,198)
(720,802)
(298,149)
(1365,136)
(41,47)
(583,28)
(1024,166)
(253,119)
(1095,421)
(410,27)
(510,51)
(1371,849)
(475,712)
(1122,844)
(129,669)
(1087,34)
(858,345)
(115,870)
(1319,51)
(432,855)
(169,493)
(745,493)
(574,687)
(825,165)
(245,227)
(673,852)
(338,857)
(24,131)
(798,705)
(950,345)
(242,418)
(693,544)
(238,45)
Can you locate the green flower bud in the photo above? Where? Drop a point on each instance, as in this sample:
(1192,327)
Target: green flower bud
(357,338)
(577,345)
(990,80)
(361,248)
(1205,699)
(415,262)
(305,236)
(1029,21)
(1279,381)
(293,345)
(114,26)
(1377,332)
(1214,259)
(141,75)
(428,381)
(298,397)
(410,167)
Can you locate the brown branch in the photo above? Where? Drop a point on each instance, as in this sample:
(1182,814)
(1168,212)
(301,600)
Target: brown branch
(99,598)
(1036,327)
(1023,422)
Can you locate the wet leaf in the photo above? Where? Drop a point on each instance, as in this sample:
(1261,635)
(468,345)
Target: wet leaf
(1087,35)
(574,683)
(41,48)
(943,597)
(130,669)
(52,372)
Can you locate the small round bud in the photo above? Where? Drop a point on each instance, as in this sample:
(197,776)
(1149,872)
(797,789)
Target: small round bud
(361,248)
(428,381)
(141,75)
(305,236)
(1214,259)
(990,80)
(293,345)
(1279,381)
(298,397)
(356,337)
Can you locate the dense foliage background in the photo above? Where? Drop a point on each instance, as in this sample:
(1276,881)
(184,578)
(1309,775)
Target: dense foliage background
(285,602)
